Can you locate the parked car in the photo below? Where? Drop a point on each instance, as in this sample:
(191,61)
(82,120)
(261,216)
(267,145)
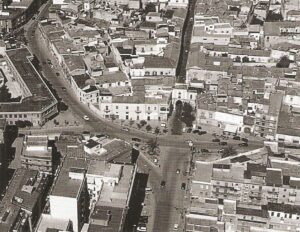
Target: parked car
(243,144)
(125,129)
(136,140)
(236,138)
(203,150)
(196,131)
(223,143)
(202,132)
(163,184)
(64,88)
(176,226)
(216,140)
(183,186)
(143,219)
(245,140)
(86,118)
(178,171)
(189,130)
(142,227)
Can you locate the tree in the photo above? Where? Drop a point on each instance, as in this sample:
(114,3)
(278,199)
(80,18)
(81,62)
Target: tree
(238,59)
(143,123)
(131,122)
(150,7)
(20,124)
(153,146)
(245,59)
(229,151)
(113,117)
(171,109)
(187,115)
(157,130)
(284,62)
(148,128)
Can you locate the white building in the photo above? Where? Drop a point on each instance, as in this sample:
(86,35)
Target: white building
(135,108)
(184,94)
(68,199)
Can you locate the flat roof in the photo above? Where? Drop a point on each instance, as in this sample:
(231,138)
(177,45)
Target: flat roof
(65,186)
(100,213)
(41,96)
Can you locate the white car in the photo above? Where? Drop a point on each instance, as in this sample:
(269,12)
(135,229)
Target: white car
(86,118)
(176,226)
(142,227)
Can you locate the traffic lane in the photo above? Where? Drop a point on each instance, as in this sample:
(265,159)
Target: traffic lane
(170,196)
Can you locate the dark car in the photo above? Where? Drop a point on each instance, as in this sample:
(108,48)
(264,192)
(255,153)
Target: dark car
(243,144)
(63,88)
(183,186)
(245,140)
(216,140)
(223,143)
(236,138)
(189,130)
(136,140)
(202,132)
(203,150)
(57,74)
(162,184)
(196,131)
(143,219)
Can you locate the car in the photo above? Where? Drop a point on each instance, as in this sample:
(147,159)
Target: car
(125,129)
(49,61)
(236,138)
(196,131)
(176,226)
(243,144)
(136,140)
(203,150)
(57,74)
(86,118)
(245,140)
(189,130)
(223,143)
(64,88)
(183,186)
(142,227)
(163,184)
(216,140)
(221,151)
(178,171)
(143,219)
(202,132)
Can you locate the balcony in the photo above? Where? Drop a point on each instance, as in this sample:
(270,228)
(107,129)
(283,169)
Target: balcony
(138,111)
(107,110)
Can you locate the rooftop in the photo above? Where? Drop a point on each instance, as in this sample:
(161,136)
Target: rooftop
(113,77)
(158,62)
(41,97)
(65,186)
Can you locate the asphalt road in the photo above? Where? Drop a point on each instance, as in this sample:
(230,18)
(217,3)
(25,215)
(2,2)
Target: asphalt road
(176,154)
(186,42)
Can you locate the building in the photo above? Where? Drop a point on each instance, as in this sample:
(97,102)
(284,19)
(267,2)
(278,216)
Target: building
(135,108)
(37,154)
(23,201)
(37,104)
(254,193)
(69,199)
(110,210)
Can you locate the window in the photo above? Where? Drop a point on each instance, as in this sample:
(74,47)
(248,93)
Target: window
(117,107)
(126,107)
